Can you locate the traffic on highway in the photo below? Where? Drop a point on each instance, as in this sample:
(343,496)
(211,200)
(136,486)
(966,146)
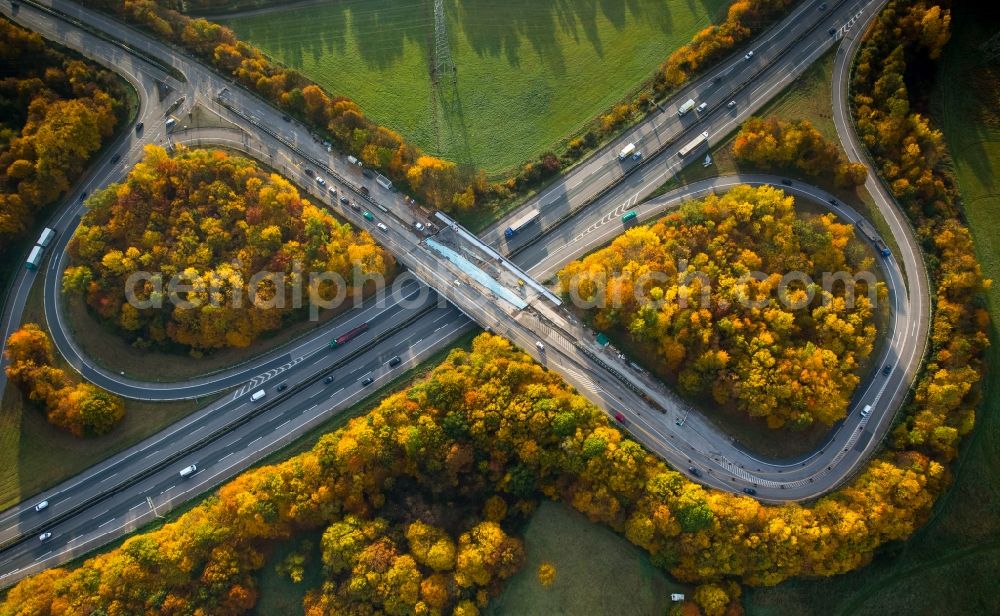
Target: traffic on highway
(270,400)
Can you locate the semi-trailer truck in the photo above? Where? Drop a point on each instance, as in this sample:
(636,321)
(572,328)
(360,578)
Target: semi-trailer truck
(348,336)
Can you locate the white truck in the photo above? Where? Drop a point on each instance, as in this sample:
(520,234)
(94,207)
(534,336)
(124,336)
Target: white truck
(629,151)
(686,107)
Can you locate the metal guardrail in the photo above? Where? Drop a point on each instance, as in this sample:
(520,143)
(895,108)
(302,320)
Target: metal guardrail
(214,436)
(660,149)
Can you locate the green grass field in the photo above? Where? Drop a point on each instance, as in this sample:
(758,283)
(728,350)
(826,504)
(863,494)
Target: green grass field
(598,572)
(949,566)
(529,74)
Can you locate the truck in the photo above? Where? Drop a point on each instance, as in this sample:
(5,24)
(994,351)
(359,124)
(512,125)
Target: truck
(627,151)
(686,107)
(34,258)
(348,336)
(521,222)
(46,237)
(693,145)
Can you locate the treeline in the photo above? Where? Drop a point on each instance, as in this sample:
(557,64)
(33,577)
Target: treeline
(913,160)
(412,500)
(681,288)
(744,19)
(79,407)
(241,243)
(56,111)
(439,183)
(773,143)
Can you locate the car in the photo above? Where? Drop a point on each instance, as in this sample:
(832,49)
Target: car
(381,226)
(887,369)
(541,347)
(620,418)
(139,127)
(355,207)
(395,361)
(320,181)
(749,491)
(731,104)
(694,471)
(419,226)
(365,382)
(749,56)
(116,158)
(368,216)
(286,118)
(282,386)
(187,471)
(832,31)
(345,200)
(42,505)
(333,191)
(83,195)
(328,379)
(364,191)
(833,202)
(717,79)
(701,108)
(309,172)
(786,182)
(865,412)
(44,536)
(368,173)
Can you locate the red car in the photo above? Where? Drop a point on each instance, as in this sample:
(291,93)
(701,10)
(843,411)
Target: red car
(620,418)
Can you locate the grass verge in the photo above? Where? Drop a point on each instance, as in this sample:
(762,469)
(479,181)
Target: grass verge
(949,566)
(35,455)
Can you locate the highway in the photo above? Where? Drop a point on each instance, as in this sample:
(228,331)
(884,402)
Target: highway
(598,197)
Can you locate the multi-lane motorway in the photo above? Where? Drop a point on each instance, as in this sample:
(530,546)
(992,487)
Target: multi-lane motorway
(132,487)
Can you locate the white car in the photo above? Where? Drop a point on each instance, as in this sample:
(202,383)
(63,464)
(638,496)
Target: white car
(382,227)
(731,104)
(749,56)
(44,536)
(41,505)
(320,181)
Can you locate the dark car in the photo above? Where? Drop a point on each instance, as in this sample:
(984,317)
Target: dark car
(833,202)
(395,361)
(367,381)
(749,491)
(832,31)
(355,207)
(368,174)
(286,118)
(364,191)
(786,182)
(887,370)
(282,386)
(328,379)
(116,158)
(138,128)
(309,172)
(83,195)
(694,471)
(345,200)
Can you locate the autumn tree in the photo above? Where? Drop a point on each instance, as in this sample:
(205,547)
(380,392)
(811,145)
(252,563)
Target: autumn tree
(685,289)
(81,408)
(208,224)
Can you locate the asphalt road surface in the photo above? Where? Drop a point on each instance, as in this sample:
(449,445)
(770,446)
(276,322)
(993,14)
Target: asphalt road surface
(126,491)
